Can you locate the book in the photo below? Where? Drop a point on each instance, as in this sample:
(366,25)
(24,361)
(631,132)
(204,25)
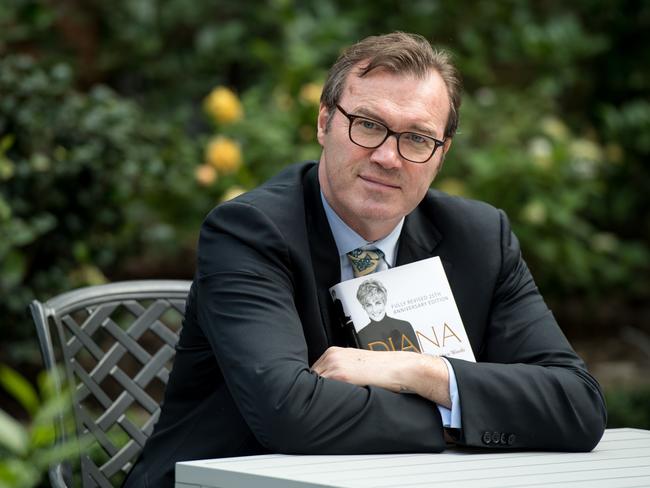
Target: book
(406,308)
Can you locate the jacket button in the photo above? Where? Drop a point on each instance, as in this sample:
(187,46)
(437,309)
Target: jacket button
(511,439)
(487,438)
(496,438)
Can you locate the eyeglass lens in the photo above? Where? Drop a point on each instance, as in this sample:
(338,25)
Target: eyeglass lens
(371,134)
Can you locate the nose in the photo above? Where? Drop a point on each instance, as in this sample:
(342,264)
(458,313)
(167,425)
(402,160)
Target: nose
(387,154)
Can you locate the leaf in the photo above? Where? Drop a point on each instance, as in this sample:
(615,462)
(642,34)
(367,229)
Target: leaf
(19,388)
(62,452)
(13,435)
(17,473)
(6,142)
(52,409)
(12,270)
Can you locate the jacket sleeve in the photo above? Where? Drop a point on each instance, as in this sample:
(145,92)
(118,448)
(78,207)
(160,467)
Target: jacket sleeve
(246,308)
(528,388)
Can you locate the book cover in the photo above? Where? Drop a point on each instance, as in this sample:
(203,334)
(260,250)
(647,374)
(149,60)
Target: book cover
(406,308)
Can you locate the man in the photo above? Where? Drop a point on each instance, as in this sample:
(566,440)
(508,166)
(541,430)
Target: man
(383,332)
(262,365)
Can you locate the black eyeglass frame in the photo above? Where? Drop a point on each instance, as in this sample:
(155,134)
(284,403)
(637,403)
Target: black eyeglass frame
(389,132)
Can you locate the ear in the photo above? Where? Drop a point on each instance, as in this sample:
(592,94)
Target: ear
(447,145)
(323,115)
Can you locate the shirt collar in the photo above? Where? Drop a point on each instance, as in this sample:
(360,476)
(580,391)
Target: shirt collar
(347,239)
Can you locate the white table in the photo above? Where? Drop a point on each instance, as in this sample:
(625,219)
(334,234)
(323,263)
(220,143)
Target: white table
(621,459)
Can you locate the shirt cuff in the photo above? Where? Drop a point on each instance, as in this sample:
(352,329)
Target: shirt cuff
(451,417)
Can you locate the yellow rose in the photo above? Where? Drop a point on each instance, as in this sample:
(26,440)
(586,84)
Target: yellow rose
(232,192)
(223,105)
(541,149)
(534,212)
(87,274)
(223,154)
(585,149)
(205,174)
(605,242)
(554,128)
(310,93)
(452,186)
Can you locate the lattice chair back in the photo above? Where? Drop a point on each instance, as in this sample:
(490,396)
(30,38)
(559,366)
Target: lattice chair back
(117,344)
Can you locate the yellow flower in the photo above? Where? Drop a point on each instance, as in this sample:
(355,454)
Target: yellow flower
(541,150)
(585,149)
(453,186)
(223,154)
(87,274)
(310,93)
(232,192)
(554,128)
(605,242)
(534,212)
(223,105)
(7,168)
(205,174)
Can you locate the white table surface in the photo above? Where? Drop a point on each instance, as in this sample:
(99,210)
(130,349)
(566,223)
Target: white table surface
(621,459)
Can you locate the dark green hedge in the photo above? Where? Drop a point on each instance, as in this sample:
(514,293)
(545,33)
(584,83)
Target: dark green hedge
(102,130)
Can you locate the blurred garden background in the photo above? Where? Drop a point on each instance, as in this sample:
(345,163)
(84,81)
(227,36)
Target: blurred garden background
(123,123)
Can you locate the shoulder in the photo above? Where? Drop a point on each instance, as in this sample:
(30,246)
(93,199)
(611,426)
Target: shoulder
(463,218)
(275,198)
(453,210)
(396,323)
(277,203)
(264,220)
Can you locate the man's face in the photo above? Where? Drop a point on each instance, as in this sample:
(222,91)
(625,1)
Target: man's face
(375,306)
(372,189)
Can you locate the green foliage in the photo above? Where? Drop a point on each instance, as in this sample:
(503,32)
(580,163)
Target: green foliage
(103,136)
(628,408)
(547,178)
(27,451)
(77,170)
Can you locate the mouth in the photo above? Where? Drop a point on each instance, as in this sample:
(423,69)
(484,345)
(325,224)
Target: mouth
(379,183)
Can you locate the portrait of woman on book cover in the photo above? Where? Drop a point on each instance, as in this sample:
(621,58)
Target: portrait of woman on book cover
(383,332)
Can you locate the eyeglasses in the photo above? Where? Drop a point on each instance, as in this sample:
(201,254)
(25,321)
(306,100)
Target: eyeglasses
(371,134)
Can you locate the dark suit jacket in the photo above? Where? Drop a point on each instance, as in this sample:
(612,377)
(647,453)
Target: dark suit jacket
(259,314)
(389,328)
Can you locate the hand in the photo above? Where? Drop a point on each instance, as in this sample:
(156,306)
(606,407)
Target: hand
(398,371)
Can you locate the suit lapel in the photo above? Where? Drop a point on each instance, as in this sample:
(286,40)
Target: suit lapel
(419,239)
(324,254)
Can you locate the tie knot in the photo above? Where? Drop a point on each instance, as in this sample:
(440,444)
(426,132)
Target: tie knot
(364,261)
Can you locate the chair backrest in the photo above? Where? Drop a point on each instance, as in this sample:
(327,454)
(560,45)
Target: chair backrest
(117,344)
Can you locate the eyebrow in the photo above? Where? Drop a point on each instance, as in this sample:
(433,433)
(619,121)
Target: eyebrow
(415,128)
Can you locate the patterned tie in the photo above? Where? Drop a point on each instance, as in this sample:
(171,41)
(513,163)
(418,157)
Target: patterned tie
(364,261)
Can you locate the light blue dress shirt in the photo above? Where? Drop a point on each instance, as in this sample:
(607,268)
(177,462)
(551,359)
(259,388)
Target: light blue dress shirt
(347,240)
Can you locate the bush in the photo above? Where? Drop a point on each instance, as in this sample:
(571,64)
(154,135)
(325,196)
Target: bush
(27,451)
(628,408)
(79,175)
(107,159)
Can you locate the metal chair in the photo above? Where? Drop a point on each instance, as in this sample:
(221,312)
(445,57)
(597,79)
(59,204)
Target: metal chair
(117,344)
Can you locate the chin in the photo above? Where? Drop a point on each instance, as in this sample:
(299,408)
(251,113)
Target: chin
(378,212)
